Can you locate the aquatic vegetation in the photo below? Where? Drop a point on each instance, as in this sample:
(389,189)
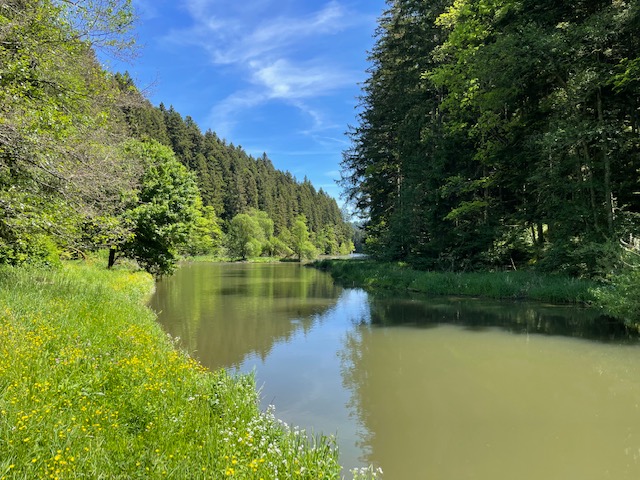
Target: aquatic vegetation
(91,387)
(364,473)
(500,285)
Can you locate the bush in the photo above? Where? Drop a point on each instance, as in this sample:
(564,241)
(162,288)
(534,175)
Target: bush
(621,297)
(34,249)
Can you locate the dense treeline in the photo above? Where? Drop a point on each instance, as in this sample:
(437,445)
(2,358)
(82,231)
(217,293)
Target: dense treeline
(230,180)
(501,133)
(86,163)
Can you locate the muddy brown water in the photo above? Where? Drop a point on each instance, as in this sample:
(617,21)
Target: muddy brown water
(426,388)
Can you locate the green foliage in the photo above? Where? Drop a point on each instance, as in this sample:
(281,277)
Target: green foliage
(106,231)
(60,164)
(621,297)
(300,243)
(500,285)
(245,237)
(266,226)
(27,223)
(346,248)
(275,247)
(206,236)
(165,209)
(251,234)
(327,242)
(499,131)
(35,249)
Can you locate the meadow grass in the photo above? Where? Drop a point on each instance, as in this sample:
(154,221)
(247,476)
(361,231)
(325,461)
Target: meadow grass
(91,387)
(498,285)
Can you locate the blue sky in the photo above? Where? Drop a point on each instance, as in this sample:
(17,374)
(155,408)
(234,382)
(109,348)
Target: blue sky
(274,76)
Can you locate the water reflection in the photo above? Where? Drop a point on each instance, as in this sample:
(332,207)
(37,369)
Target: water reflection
(432,388)
(513,316)
(224,312)
(465,399)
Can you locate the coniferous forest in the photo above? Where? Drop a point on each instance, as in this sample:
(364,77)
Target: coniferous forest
(87,163)
(500,134)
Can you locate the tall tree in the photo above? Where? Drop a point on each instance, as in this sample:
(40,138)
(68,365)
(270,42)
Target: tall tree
(499,132)
(383,172)
(59,161)
(245,237)
(300,239)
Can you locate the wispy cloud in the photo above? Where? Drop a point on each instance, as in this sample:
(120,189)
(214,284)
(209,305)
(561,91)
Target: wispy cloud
(238,36)
(224,115)
(278,54)
(283,79)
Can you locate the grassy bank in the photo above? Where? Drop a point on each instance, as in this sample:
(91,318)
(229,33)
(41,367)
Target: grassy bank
(498,285)
(90,387)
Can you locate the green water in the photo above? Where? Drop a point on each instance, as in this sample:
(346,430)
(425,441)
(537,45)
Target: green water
(442,389)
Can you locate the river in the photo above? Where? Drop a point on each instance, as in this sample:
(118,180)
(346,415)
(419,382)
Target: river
(425,388)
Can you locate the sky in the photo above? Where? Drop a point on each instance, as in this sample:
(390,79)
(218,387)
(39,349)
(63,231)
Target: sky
(276,76)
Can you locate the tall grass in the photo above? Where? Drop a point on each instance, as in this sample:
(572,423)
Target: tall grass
(90,387)
(499,285)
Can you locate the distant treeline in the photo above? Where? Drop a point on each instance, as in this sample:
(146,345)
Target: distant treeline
(230,180)
(87,163)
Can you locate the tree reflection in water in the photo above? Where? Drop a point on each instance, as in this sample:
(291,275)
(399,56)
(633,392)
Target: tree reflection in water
(463,388)
(424,387)
(224,312)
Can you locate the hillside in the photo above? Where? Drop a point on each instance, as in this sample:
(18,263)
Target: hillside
(87,163)
(230,180)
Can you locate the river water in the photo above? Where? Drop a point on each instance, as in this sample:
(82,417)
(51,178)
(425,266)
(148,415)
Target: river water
(425,388)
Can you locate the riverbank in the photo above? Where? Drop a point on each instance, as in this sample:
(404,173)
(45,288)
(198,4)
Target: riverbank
(91,387)
(498,285)
(218,259)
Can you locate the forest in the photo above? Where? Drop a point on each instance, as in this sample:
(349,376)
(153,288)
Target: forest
(87,163)
(501,134)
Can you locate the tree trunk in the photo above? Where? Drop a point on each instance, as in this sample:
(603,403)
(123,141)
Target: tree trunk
(607,191)
(607,170)
(112,257)
(540,234)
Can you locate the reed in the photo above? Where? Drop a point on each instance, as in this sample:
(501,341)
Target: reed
(91,387)
(499,285)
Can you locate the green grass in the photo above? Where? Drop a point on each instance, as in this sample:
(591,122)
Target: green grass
(91,387)
(498,285)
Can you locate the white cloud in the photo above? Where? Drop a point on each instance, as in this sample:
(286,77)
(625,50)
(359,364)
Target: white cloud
(285,80)
(224,114)
(277,54)
(240,35)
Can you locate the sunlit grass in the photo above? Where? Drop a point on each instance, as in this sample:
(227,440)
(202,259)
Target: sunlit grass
(498,285)
(90,387)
